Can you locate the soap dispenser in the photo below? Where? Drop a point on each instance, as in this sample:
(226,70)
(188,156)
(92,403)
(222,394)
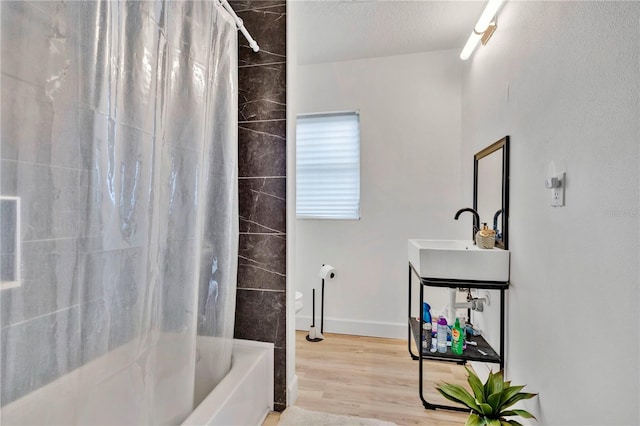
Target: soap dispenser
(486,238)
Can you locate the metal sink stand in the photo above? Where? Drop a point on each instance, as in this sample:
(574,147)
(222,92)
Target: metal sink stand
(415,331)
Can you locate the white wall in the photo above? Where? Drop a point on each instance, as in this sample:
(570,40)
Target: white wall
(572,69)
(410,185)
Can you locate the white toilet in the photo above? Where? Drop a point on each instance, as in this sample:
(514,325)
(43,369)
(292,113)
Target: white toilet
(299,301)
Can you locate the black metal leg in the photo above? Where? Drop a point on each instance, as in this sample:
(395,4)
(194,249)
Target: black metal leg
(420,369)
(413,356)
(502,329)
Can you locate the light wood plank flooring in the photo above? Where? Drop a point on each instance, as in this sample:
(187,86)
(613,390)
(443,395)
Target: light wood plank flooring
(370,377)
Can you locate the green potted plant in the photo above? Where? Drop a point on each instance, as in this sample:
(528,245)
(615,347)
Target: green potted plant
(490,402)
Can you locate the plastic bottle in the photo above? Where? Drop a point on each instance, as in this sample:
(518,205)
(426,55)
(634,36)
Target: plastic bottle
(426,312)
(426,327)
(457,338)
(442,334)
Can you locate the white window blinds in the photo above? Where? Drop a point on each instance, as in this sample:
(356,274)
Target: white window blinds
(328,166)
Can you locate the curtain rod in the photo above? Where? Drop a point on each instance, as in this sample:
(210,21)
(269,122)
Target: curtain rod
(240,25)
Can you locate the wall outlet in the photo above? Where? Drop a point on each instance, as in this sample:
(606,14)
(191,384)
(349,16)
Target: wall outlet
(557,193)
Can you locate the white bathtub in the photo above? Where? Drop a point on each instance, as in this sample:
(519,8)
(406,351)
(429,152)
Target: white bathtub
(245,395)
(107,390)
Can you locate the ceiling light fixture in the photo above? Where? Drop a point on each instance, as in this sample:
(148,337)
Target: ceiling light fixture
(483,30)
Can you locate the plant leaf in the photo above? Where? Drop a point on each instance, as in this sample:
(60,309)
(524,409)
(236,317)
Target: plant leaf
(486,385)
(495,383)
(512,422)
(508,393)
(486,409)
(522,413)
(494,401)
(458,394)
(475,420)
(476,385)
(493,422)
(518,397)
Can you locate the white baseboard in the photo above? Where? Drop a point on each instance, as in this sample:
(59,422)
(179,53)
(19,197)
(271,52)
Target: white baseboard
(356,327)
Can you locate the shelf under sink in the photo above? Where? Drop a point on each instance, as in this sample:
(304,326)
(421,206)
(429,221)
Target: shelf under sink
(470,354)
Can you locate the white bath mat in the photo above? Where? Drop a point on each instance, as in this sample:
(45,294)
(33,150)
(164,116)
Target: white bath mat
(296,416)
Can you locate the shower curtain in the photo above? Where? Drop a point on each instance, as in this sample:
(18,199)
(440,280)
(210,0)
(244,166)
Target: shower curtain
(118,135)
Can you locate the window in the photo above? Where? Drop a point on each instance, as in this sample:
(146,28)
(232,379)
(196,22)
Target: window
(328,166)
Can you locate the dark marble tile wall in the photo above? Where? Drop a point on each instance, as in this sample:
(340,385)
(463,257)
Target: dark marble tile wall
(261,296)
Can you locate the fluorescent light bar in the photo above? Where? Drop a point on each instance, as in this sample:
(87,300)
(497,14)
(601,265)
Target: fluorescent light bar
(468,48)
(486,18)
(487,15)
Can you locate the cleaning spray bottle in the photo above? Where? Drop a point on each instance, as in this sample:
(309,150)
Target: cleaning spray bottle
(442,334)
(426,327)
(457,338)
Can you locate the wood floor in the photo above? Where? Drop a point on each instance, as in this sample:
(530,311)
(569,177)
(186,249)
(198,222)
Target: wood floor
(370,377)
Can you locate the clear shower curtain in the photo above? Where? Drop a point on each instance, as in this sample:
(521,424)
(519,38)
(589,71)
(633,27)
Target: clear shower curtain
(119,137)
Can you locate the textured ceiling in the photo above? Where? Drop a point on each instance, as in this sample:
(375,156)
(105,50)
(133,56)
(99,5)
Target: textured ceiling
(338,30)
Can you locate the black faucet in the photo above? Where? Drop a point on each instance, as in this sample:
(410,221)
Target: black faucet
(495,224)
(476,220)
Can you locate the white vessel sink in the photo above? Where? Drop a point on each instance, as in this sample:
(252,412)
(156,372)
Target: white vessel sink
(458,260)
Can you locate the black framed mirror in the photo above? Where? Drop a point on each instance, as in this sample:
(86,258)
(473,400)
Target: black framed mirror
(491,189)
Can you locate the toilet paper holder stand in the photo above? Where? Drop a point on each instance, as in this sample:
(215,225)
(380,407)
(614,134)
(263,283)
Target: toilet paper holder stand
(314,335)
